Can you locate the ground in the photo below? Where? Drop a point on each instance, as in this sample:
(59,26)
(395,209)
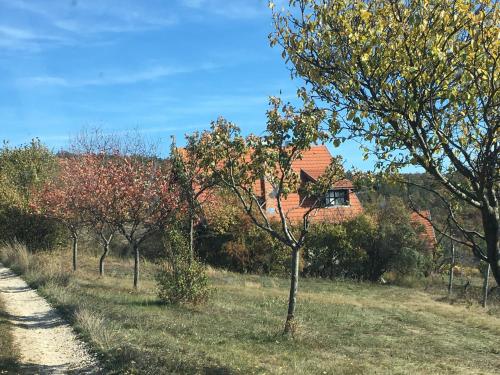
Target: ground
(344,327)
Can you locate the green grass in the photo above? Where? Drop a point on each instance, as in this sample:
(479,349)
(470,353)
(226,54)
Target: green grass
(8,353)
(344,327)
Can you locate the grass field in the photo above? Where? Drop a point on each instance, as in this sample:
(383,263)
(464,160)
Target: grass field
(8,353)
(344,327)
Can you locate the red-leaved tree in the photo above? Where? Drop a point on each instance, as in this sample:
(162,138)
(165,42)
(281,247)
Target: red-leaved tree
(63,199)
(145,198)
(98,201)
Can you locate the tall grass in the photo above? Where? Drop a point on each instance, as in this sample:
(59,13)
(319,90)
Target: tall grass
(37,270)
(15,255)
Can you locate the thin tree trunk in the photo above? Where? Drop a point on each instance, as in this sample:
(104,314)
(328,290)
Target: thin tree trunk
(75,251)
(292,299)
(486,284)
(103,256)
(452,265)
(136,266)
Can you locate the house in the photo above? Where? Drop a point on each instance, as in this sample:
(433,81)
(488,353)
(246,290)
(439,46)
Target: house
(340,203)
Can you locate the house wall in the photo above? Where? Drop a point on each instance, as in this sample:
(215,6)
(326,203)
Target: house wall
(335,214)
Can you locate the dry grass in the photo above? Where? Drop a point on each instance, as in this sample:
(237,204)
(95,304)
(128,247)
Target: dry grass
(15,255)
(343,327)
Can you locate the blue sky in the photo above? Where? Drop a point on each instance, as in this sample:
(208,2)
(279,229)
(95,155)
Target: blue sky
(159,67)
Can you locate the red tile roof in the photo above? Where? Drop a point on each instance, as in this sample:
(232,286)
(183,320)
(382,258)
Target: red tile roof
(428,234)
(313,164)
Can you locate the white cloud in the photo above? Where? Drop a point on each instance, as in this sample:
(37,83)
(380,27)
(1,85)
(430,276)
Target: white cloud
(37,25)
(24,38)
(114,78)
(44,81)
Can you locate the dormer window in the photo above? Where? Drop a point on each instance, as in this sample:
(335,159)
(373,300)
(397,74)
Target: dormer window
(338,197)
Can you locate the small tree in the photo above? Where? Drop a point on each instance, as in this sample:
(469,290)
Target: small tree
(99,201)
(181,279)
(240,164)
(193,184)
(63,199)
(419,83)
(146,200)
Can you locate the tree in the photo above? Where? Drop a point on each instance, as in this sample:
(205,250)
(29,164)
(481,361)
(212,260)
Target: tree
(63,199)
(240,164)
(419,82)
(194,185)
(99,203)
(146,200)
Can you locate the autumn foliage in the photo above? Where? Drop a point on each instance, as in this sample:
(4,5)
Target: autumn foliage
(110,193)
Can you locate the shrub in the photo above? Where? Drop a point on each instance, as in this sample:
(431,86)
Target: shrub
(23,170)
(331,252)
(368,246)
(397,244)
(35,231)
(181,279)
(231,241)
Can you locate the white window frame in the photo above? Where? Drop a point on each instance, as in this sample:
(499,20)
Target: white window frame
(337,198)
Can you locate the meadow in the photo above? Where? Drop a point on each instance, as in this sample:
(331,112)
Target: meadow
(344,327)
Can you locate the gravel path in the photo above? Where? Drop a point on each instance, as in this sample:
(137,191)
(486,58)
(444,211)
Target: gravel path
(47,345)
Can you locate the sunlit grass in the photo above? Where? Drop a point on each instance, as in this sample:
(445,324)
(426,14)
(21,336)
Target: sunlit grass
(344,327)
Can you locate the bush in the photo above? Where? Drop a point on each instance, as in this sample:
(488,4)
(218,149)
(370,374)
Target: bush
(230,240)
(368,246)
(181,279)
(35,231)
(397,244)
(331,252)
(23,170)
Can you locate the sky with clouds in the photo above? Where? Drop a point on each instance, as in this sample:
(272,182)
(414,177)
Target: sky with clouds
(158,67)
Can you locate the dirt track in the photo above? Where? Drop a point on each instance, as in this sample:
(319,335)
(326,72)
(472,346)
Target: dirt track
(47,345)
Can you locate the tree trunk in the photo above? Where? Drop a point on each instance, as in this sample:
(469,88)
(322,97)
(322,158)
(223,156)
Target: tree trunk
(486,284)
(75,250)
(292,299)
(491,225)
(191,239)
(452,265)
(136,266)
(101,260)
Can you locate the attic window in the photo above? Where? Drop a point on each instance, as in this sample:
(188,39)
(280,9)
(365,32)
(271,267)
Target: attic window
(337,198)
